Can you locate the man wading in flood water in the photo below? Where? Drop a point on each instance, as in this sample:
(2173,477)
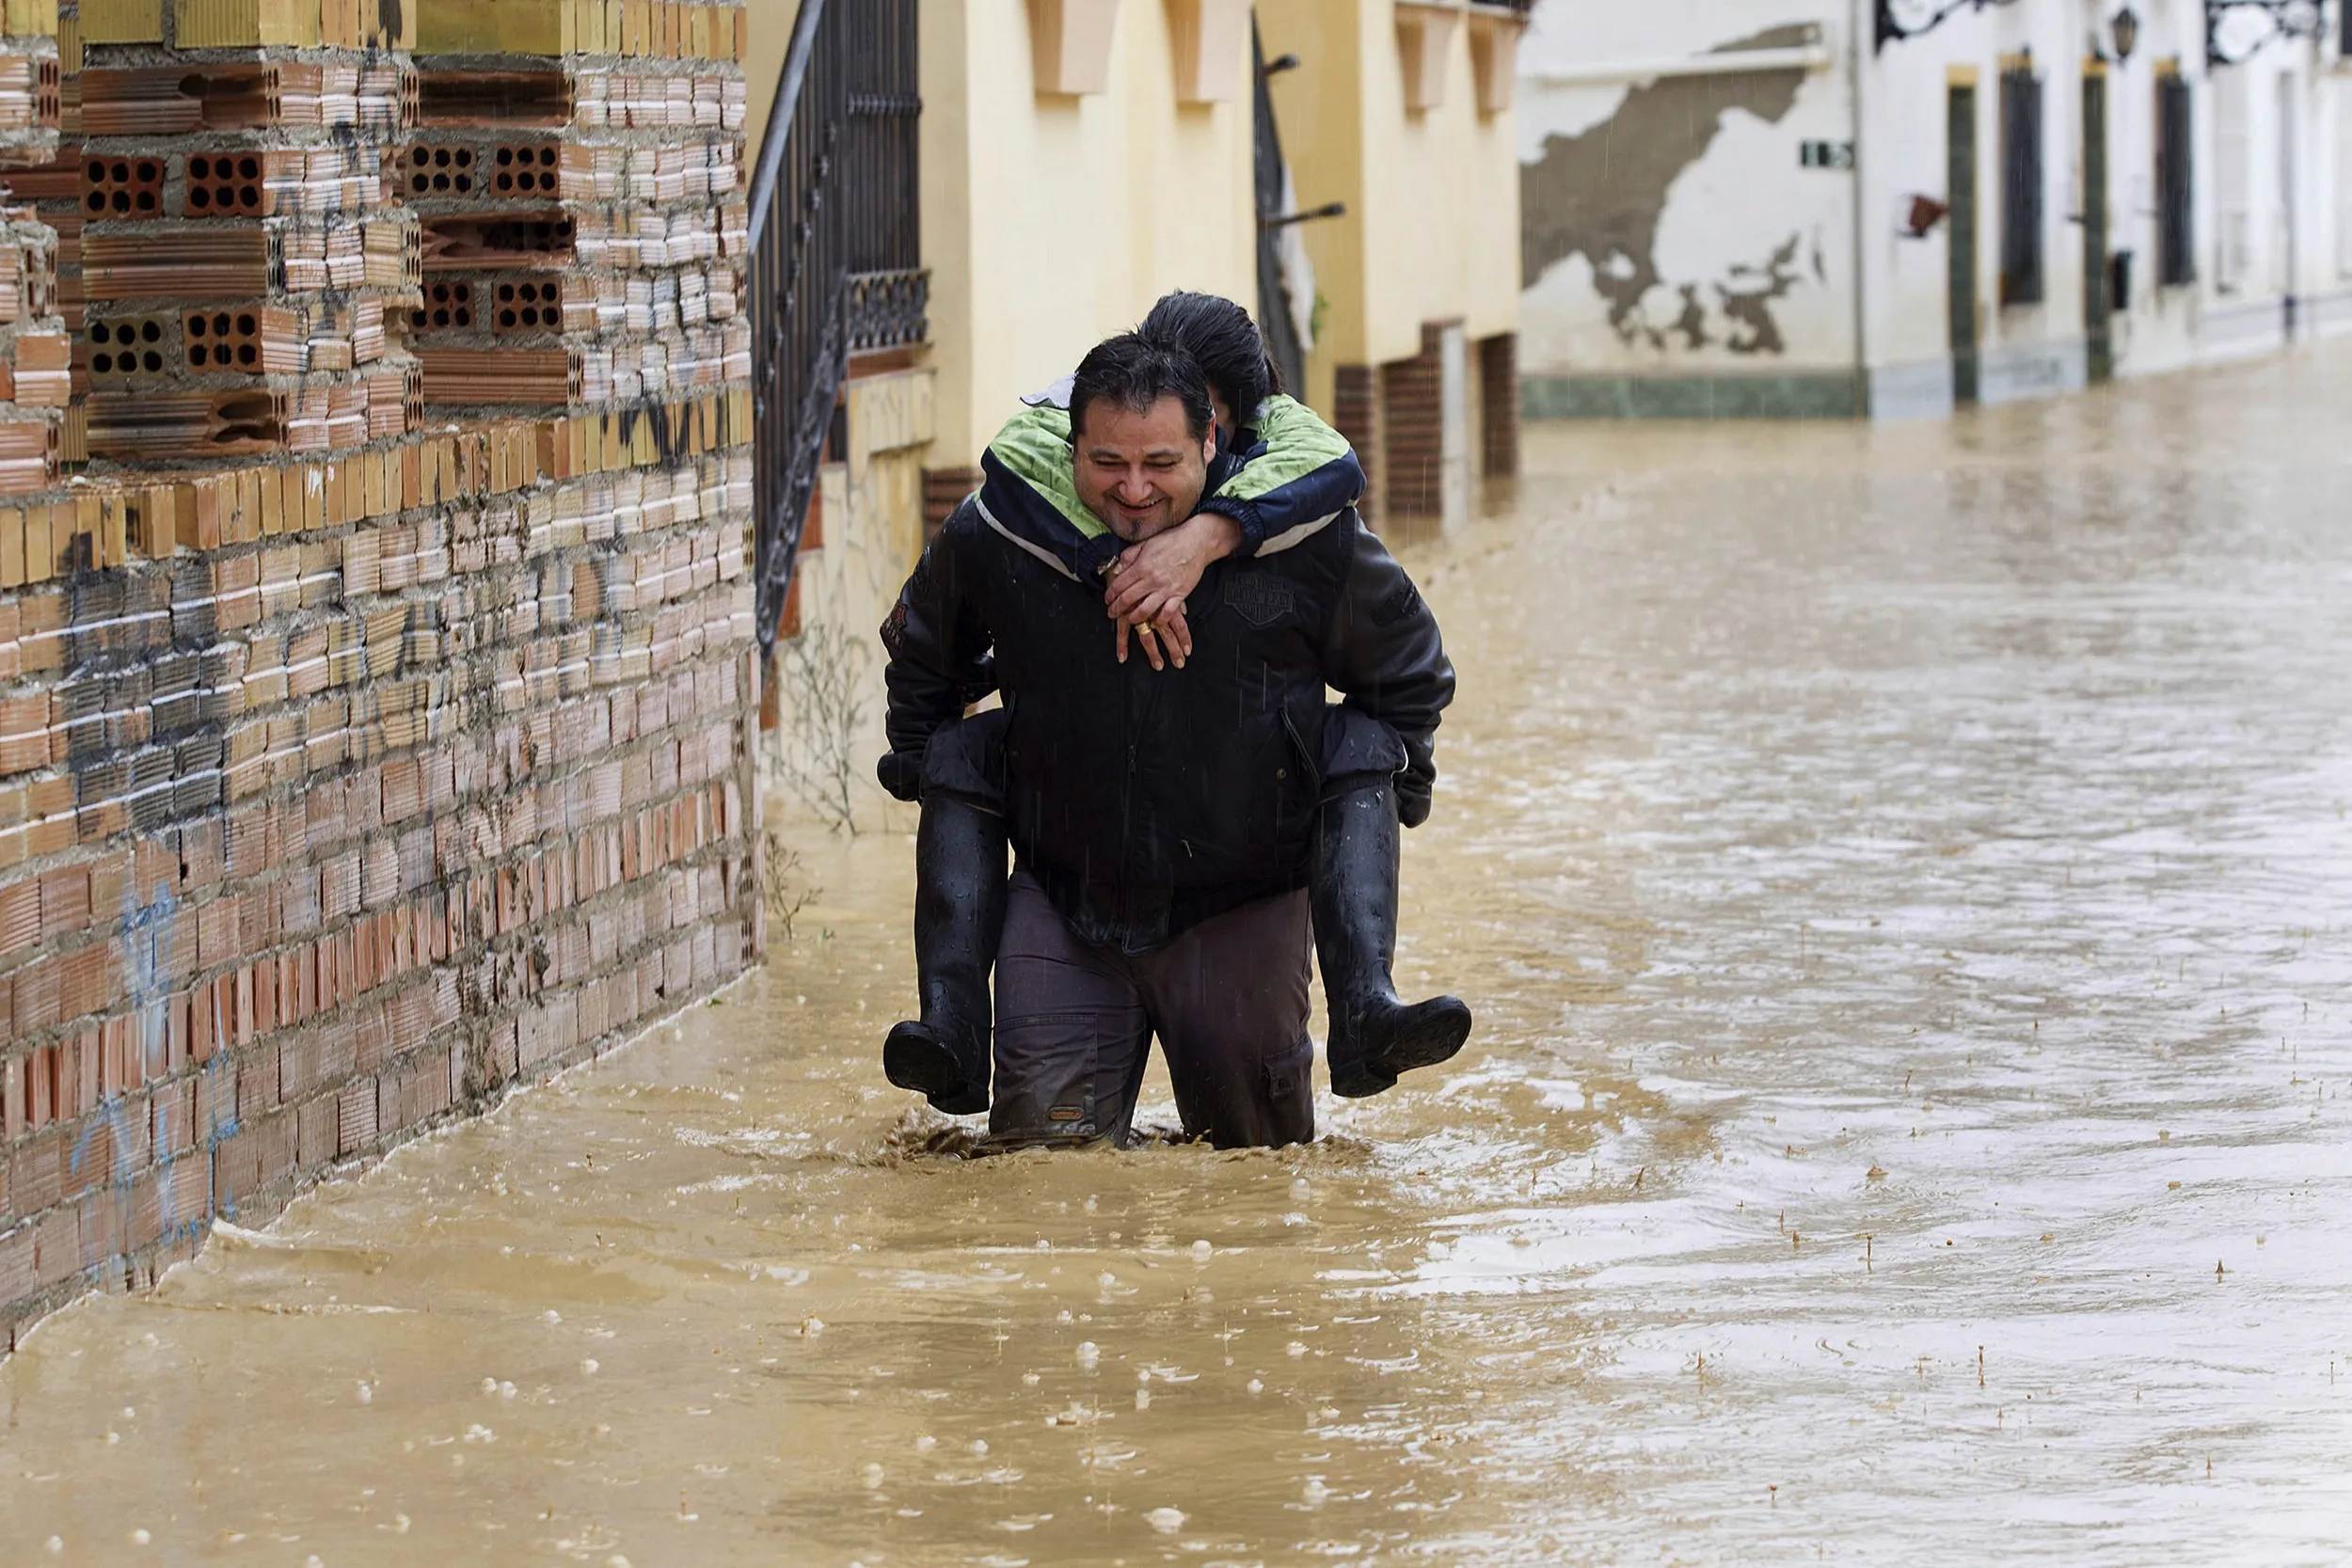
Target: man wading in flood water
(1167,823)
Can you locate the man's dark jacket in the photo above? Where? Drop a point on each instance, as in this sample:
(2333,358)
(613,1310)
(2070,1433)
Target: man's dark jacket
(1145,801)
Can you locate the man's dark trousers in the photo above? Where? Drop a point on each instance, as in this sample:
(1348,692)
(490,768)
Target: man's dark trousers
(1227,999)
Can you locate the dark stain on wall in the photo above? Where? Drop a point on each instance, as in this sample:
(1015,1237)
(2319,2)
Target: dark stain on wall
(1746,296)
(1602,191)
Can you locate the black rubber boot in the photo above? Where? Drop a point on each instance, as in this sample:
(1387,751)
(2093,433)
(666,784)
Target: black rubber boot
(1374,1036)
(959,916)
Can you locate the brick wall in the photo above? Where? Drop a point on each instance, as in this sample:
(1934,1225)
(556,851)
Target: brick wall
(36,354)
(1356,415)
(1499,406)
(374,713)
(1412,428)
(944,490)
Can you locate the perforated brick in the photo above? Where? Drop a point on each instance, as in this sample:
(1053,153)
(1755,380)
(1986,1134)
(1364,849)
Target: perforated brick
(439,169)
(124,349)
(448,307)
(123,187)
(224,340)
(525,170)
(225,186)
(529,305)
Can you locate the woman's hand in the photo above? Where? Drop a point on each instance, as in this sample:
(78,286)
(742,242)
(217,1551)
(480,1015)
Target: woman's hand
(1150,581)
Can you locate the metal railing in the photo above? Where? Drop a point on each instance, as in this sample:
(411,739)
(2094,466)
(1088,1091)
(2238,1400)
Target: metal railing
(836,251)
(1274,301)
(1274,216)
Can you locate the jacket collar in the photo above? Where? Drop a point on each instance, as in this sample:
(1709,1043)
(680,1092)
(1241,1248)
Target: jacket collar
(1037,523)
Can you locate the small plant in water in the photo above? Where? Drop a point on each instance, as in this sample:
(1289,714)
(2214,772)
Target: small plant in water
(823,671)
(785,883)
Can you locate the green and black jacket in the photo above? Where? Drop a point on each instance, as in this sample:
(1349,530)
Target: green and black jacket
(1286,476)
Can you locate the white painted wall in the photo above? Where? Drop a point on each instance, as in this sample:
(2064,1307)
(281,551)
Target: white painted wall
(1727,214)
(2025,350)
(2160,330)
(2273,194)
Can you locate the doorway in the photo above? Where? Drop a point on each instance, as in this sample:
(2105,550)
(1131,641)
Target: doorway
(1960,130)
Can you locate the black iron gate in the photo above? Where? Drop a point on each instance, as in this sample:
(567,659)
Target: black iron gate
(1274,308)
(836,250)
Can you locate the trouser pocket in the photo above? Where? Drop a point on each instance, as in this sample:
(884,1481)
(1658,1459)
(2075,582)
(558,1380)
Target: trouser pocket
(1054,1077)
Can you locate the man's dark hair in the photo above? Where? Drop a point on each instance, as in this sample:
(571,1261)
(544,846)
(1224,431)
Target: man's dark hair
(1221,336)
(1135,373)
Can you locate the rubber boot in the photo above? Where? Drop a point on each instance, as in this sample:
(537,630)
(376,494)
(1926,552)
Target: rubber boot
(958,917)
(1374,1036)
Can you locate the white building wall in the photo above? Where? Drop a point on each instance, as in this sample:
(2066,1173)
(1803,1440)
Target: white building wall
(2034,348)
(2271,208)
(2159,328)
(1676,243)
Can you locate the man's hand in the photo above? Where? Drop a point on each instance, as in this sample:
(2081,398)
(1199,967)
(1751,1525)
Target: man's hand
(1149,583)
(1168,637)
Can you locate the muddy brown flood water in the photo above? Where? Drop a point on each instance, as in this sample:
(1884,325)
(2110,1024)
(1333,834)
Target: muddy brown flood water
(1903,876)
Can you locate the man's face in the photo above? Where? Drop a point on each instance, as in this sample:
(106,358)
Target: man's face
(1141,473)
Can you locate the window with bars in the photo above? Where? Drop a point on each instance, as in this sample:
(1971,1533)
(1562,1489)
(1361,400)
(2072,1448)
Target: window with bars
(2176,229)
(2020,185)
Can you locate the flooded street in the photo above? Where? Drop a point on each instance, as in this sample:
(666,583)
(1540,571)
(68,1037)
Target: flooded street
(1903,878)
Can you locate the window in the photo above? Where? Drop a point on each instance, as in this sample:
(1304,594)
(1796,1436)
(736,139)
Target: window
(2020,185)
(2176,242)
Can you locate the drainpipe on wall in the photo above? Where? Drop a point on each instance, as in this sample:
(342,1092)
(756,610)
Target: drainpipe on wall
(1855,10)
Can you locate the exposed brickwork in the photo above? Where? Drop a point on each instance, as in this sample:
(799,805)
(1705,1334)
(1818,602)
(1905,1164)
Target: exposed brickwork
(1412,430)
(1356,413)
(35,355)
(52,185)
(944,490)
(1499,406)
(593,260)
(343,788)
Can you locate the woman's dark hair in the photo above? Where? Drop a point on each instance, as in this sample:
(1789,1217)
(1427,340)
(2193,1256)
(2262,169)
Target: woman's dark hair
(1136,373)
(1220,335)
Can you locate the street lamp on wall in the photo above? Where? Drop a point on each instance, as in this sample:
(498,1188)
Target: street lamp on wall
(2124,30)
(1899,20)
(2234,29)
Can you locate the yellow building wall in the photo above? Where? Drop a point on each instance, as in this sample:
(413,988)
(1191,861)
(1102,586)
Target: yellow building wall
(1432,230)
(1051,222)
(763,67)
(830,701)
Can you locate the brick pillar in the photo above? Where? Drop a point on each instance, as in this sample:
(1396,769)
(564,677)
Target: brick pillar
(944,490)
(1499,404)
(1356,415)
(1412,424)
(1423,448)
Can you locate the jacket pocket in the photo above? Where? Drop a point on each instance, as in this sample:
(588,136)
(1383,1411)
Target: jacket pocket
(1298,785)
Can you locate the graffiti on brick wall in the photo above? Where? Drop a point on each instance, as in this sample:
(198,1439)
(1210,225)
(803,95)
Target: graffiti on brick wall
(1601,194)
